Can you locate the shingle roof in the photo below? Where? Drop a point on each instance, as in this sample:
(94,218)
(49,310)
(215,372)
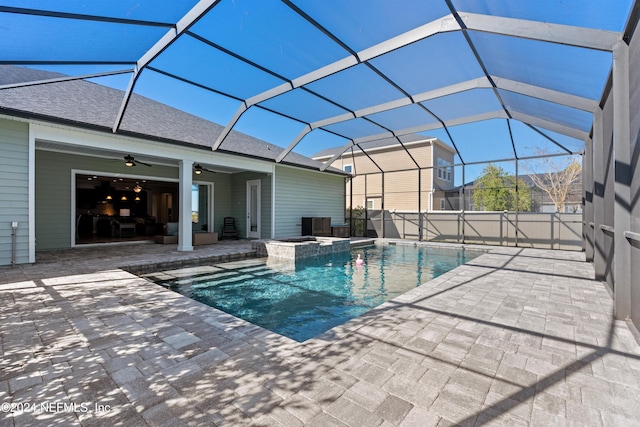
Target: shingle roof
(86,104)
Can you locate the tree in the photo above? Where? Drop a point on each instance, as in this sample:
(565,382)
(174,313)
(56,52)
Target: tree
(496,191)
(555,176)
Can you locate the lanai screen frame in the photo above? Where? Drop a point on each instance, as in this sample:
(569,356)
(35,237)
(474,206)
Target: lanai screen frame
(458,17)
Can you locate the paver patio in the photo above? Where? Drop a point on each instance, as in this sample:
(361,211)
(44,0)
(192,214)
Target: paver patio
(515,337)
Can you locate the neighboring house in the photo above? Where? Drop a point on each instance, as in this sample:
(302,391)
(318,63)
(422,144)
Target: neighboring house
(64,178)
(540,200)
(414,173)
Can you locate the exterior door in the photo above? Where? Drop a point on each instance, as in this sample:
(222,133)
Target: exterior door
(253,209)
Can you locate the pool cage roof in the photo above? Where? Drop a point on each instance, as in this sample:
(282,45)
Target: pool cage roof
(300,72)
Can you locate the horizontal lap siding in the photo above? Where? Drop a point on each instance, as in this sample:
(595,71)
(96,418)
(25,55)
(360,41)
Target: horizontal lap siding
(301,193)
(14,190)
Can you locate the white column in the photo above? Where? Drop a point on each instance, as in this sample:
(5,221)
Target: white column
(273,202)
(622,183)
(185,230)
(32,195)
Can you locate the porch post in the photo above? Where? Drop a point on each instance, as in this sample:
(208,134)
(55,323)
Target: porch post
(622,181)
(185,228)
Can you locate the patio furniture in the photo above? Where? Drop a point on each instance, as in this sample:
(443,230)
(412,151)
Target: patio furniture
(229,230)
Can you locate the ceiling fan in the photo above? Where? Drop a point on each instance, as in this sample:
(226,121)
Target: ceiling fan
(129,161)
(198,169)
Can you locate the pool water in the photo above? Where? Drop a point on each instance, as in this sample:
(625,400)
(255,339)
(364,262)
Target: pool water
(317,294)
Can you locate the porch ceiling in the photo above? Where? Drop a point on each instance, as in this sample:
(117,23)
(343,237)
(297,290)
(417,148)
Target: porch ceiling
(119,157)
(347,71)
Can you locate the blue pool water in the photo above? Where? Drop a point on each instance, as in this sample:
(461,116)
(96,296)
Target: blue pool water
(322,292)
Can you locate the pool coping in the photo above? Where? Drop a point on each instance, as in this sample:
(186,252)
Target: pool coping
(335,333)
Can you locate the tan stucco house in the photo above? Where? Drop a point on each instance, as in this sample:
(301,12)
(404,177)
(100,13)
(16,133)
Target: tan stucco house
(405,174)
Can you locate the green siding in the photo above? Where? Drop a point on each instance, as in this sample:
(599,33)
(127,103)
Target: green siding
(301,193)
(238,198)
(14,190)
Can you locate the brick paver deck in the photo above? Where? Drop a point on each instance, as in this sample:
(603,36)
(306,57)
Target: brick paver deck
(515,337)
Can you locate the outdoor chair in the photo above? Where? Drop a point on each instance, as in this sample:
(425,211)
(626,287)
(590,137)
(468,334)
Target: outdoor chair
(229,230)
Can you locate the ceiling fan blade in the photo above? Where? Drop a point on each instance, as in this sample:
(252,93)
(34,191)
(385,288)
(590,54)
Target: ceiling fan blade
(142,163)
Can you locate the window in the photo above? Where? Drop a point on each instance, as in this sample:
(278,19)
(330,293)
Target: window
(444,170)
(370,204)
(442,204)
(348,168)
(195,202)
(200,207)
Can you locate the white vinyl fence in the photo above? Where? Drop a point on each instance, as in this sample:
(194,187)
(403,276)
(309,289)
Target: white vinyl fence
(526,229)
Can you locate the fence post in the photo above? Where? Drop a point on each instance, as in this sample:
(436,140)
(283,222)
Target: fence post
(553,215)
(506,223)
(426,226)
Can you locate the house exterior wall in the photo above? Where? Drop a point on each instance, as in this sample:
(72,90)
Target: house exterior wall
(408,178)
(14,190)
(238,198)
(301,193)
(443,180)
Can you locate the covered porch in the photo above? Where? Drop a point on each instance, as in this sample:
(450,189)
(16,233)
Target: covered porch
(93,197)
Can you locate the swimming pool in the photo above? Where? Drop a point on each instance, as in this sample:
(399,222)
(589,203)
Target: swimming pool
(305,299)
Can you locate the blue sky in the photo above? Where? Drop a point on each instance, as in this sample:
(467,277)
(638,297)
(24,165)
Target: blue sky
(274,37)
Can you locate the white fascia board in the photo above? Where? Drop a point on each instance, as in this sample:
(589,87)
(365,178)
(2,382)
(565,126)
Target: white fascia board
(320,170)
(552,126)
(138,146)
(444,146)
(543,31)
